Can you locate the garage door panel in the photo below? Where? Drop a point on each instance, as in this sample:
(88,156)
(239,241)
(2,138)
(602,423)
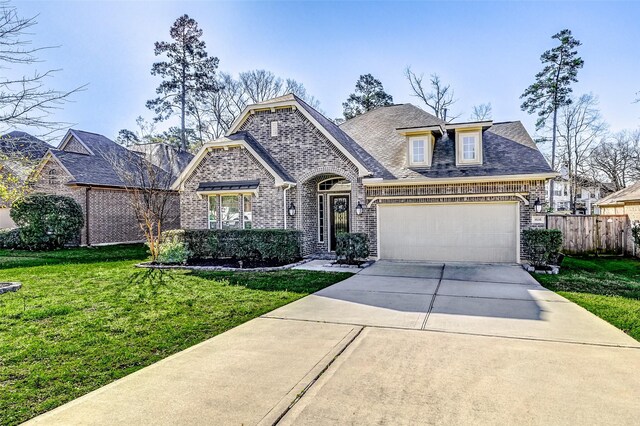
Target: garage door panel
(473,232)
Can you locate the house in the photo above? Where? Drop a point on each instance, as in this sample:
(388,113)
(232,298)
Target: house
(420,188)
(626,201)
(589,192)
(19,152)
(92,169)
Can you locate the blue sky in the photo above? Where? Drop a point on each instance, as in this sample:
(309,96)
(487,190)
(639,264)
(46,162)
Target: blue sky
(487,51)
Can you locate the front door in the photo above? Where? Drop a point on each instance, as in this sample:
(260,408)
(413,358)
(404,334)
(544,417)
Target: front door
(339,217)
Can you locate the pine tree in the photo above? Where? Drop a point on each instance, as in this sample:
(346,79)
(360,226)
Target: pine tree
(188,74)
(369,94)
(552,88)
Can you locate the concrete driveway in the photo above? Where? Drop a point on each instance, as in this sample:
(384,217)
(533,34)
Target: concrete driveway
(395,344)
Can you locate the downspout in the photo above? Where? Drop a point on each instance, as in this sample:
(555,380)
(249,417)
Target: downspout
(86,215)
(284,203)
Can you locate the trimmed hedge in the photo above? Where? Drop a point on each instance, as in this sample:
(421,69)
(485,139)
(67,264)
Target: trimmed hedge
(352,246)
(10,239)
(47,221)
(242,244)
(542,245)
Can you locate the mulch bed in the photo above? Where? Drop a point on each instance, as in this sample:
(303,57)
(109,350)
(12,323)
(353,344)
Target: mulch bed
(232,263)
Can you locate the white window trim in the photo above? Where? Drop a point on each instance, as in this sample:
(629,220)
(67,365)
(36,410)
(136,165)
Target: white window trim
(460,135)
(428,149)
(242,211)
(239,196)
(322,221)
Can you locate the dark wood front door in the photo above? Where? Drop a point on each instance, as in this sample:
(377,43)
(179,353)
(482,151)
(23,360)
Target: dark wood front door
(339,216)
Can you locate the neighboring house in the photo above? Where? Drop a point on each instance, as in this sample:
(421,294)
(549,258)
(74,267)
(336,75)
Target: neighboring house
(589,192)
(420,188)
(89,168)
(626,201)
(19,152)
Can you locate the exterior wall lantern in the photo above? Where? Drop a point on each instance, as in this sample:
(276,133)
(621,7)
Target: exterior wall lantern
(292,210)
(537,205)
(359,208)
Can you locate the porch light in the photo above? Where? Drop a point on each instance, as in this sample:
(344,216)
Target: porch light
(537,205)
(292,210)
(359,208)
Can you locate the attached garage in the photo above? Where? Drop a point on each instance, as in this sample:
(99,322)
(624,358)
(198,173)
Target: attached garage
(456,232)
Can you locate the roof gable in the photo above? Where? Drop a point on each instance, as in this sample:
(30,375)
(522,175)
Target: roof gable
(630,193)
(367,165)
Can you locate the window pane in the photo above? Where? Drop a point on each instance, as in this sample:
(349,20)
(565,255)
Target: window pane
(230,211)
(321,218)
(417,151)
(213,211)
(247,213)
(469,147)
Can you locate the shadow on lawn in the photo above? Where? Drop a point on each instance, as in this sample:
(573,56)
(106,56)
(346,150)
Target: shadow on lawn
(85,255)
(294,281)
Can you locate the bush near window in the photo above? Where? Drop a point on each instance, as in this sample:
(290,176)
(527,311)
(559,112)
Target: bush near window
(542,245)
(173,252)
(46,221)
(242,244)
(10,239)
(635,233)
(351,247)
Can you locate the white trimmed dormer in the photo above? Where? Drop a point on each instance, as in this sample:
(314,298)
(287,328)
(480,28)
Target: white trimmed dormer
(420,144)
(468,142)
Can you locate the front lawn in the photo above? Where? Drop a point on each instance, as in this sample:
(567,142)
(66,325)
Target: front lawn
(86,317)
(609,287)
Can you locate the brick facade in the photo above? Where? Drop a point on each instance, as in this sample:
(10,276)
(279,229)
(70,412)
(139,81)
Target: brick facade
(111,217)
(309,157)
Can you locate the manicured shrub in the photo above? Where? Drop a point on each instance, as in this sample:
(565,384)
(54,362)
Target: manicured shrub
(47,221)
(542,246)
(173,251)
(10,239)
(241,244)
(635,233)
(351,247)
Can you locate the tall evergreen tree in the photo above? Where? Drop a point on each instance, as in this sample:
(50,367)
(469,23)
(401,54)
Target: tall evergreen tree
(552,88)
(369,94)
(188,74)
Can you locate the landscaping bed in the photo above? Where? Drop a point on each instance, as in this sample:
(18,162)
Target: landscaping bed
(86,317)
(609,287)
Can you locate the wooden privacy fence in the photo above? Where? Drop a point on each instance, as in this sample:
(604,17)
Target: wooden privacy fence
(594,233)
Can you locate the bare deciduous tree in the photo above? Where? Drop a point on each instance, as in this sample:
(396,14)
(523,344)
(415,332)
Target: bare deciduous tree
(481,112)
(26,101)
(617,158)
(437,96)
(147,185)
(580,128)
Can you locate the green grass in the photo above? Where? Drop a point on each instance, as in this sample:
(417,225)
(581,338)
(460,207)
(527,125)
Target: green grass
(607,287)
(86,317)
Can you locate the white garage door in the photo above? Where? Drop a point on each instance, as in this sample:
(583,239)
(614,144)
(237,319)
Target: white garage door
(472,232)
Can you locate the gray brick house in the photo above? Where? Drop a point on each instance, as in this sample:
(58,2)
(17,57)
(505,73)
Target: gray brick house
(85,167)
(422,189)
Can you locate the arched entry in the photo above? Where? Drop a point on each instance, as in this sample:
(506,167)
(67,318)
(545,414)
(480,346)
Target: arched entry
(334,205)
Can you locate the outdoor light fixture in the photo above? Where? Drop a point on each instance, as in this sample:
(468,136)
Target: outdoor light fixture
(359,208)
(537,205)
(292,210)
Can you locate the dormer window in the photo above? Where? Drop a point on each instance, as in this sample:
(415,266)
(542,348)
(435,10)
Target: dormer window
(420,150)
(468,147)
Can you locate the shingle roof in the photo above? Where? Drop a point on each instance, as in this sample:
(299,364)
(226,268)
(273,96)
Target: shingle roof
(507,147)
(109,165)
(165,156)
(630,193)
(259,149)
(24,144)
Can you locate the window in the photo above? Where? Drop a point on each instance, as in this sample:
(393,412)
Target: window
(321,218)
(224,211)
(335,184)
(229,212)
(417,151)
(213,211)
(247,213)
(274,128)
(469,147)
(53,177)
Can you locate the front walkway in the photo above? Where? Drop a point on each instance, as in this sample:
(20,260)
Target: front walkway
(395,344)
